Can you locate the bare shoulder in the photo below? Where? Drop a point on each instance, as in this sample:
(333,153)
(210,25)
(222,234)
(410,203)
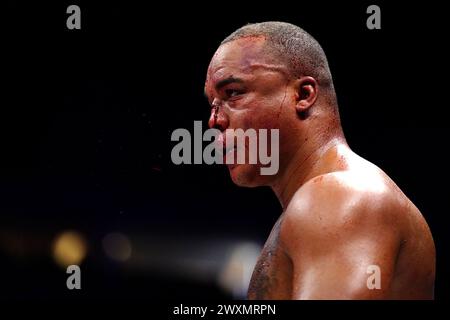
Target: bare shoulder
(343,221)
(352,191)
(336,226)
(348,203)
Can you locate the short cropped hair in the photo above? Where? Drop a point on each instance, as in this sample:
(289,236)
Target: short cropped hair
(297,49)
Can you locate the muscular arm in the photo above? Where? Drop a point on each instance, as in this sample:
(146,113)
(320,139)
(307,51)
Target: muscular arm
(333,235)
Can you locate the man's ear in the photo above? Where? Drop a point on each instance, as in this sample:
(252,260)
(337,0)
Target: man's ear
(307,92)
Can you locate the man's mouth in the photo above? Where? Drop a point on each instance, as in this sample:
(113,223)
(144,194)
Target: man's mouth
(227,152)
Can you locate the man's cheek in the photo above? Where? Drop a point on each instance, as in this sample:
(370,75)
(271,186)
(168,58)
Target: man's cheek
(261,118)
(269,120)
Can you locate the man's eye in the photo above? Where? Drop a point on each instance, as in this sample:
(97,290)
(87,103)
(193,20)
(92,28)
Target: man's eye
(232,92)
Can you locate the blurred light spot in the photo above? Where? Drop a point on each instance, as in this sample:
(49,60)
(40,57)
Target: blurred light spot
(117,246)
(69,248)
(235,276)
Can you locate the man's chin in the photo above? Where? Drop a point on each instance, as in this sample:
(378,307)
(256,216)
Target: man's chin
(245,175)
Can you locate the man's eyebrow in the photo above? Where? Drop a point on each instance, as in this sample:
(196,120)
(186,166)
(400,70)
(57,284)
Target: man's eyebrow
(220,84)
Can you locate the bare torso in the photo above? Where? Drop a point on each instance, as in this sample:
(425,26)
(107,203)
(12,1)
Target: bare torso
(282,271)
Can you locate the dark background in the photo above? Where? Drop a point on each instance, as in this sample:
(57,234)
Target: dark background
(86,118)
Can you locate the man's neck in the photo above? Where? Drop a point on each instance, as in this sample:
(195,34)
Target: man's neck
(304,166)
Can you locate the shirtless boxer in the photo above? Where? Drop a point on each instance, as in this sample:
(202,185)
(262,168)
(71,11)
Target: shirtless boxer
(342,215)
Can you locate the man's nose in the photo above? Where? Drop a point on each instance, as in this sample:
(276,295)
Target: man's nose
(218,118)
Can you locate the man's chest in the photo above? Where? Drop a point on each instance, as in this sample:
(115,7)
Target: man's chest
(272,276)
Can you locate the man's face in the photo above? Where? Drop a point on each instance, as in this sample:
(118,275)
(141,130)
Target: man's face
(251,89)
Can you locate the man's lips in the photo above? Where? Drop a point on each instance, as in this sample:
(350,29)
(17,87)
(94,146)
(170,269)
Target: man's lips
(222,147)
(226,151)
